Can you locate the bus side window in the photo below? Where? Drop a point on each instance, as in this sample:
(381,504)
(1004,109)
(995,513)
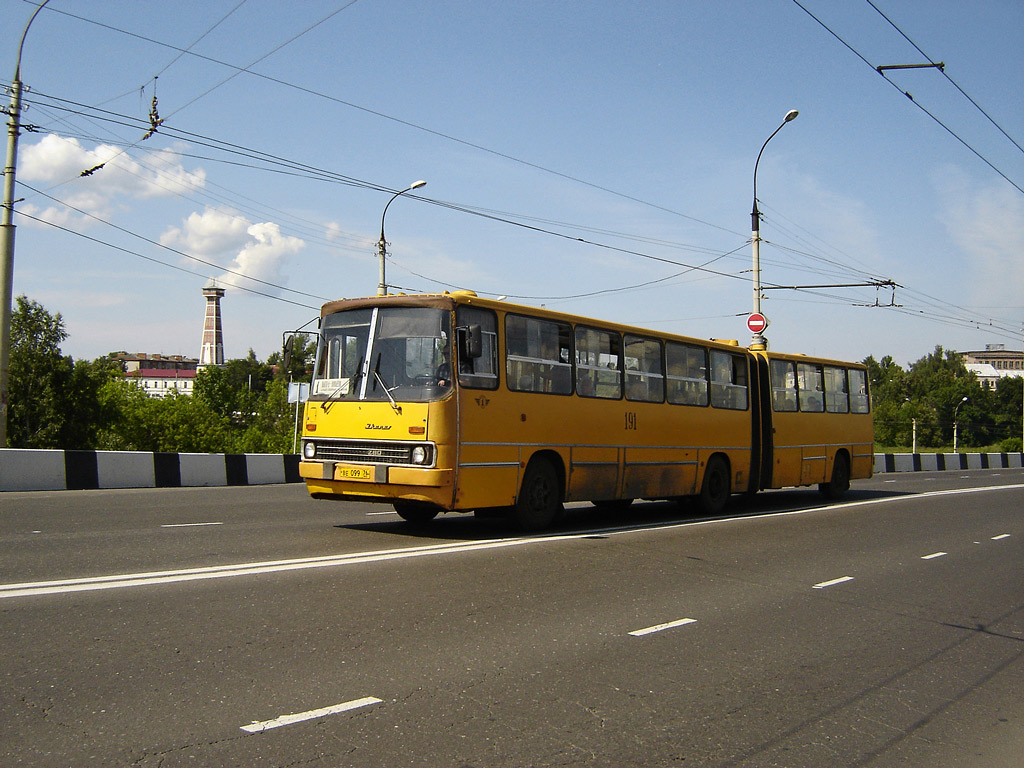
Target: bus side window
(837,397)
(645,380)
(687,374)
(537,355)
(478,372)
(728,380)
(809,383)
(859,401)
(783,375)
(598,363)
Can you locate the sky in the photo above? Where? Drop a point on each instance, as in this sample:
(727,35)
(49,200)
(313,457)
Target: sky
(592,157)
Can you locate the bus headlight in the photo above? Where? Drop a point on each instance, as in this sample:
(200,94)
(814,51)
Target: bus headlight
(419,455)
(309,449)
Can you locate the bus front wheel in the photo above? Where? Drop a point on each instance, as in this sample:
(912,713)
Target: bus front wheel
(540,498)
(715,490)
(415,513)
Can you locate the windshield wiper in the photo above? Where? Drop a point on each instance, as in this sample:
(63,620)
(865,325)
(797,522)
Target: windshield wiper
(350,383)
(377,376)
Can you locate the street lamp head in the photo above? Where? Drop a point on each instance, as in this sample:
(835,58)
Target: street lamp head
(791,115)
(418,184)
(964,399)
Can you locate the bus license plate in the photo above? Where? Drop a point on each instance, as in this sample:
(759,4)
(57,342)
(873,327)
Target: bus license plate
(354,473)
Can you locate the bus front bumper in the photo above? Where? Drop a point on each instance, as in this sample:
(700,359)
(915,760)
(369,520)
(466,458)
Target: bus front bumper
(377,481)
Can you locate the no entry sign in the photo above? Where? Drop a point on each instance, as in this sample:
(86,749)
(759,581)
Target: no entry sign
(756,322)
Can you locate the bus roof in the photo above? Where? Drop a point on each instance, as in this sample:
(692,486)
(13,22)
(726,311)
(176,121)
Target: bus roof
(448,300)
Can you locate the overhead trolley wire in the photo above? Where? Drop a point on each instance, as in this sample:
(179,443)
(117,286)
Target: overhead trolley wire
(159,245)
(400,121)
(945,74)
(163,263)
(945,127)
(291,167)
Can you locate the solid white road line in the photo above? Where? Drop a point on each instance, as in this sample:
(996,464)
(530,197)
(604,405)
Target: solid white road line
(660,627)
(933,555)
(26,589)
(188,525)
(823,584)
(313,714)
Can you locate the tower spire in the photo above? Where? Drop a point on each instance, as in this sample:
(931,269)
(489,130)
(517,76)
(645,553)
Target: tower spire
(213,336)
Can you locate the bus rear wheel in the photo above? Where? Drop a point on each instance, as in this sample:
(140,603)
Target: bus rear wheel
(716,489)
(539,502)
(837,487)
(414,512)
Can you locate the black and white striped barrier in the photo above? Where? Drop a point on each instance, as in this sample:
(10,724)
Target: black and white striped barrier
(56,470)
(942,462)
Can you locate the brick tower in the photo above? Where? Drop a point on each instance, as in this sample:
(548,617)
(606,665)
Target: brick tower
(213,337)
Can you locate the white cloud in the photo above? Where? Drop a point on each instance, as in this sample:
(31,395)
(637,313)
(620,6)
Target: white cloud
(212,234)
(987,224)
(257,250)
(58,161)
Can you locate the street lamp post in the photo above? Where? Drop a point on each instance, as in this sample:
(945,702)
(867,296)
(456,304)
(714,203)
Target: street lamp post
(913,424)
(957,408)
(7,234)
(758,340)
(382,285)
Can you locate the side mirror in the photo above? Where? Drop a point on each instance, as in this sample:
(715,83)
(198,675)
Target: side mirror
(286,352)
(472,339)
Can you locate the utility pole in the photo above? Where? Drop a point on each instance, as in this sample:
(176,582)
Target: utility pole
(7,235)
(757,322)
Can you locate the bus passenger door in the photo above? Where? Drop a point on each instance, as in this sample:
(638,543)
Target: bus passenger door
(787,436)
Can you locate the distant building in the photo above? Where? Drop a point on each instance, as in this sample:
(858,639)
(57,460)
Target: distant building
(993,363)
(160,375)
(212,352)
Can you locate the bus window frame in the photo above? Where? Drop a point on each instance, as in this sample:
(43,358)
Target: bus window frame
(468,379)
(643,375)
(810,398)
(617,337)
(541,367)
(790,396)
(731,387)
(670,377)
(832,405)
(857,397)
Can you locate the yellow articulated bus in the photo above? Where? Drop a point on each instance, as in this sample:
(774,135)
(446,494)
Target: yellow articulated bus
(453,402)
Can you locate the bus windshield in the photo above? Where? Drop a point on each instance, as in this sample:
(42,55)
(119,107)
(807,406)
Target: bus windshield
(384,353)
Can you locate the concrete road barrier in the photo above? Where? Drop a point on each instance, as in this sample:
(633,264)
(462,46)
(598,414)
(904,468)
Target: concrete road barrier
(56,470)
(50,470)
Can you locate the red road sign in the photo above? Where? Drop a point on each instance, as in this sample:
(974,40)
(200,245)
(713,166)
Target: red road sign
(756,322)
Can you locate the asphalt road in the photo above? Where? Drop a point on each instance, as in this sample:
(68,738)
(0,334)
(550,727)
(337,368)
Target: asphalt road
(256,627)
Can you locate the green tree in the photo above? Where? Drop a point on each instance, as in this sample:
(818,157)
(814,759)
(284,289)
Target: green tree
(937,384)
(272,426)
(38,376)
(212,388)
(54,401)
(296,362)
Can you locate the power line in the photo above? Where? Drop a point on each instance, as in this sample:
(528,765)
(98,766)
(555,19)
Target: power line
(268,54)
(293,167)
(945,127)
(946,75)
(399,121)
(161,245)
(158,261)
